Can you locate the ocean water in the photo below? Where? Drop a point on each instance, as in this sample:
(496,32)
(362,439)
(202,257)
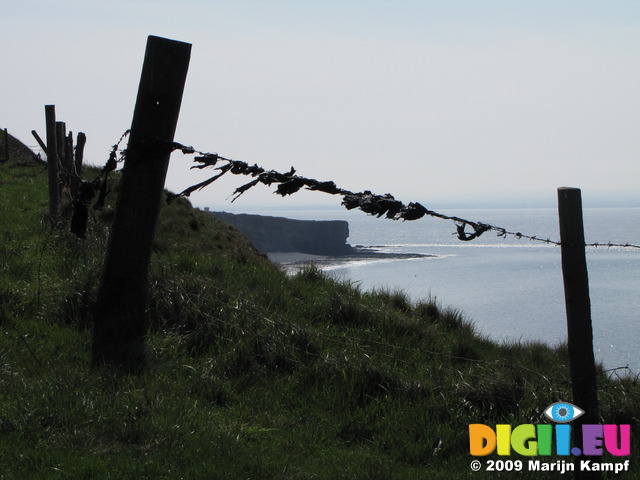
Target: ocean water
(511,289)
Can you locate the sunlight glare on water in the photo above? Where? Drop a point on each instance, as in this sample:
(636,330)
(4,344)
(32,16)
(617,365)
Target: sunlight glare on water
(510,288)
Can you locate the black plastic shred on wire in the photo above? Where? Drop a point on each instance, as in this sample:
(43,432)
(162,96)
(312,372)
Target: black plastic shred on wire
(370,203)
(87,191)
(290,183)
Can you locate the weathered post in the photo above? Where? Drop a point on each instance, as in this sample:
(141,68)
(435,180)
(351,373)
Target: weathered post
(68,154)
(40,142)
(6,145)
(69,165)
(52,161)
(578,307)
(119,326)
(63,171)
(77,166)
(61,135)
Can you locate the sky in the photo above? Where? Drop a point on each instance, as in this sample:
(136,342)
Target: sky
(460,103)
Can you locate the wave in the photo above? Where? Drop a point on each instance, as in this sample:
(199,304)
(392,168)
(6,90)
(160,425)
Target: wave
(363,262)
(457,245)
(399,247)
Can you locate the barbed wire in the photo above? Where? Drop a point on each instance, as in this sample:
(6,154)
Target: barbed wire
(370,203)
(289,183)
(87,190)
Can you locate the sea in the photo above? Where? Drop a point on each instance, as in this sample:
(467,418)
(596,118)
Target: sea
(510,288)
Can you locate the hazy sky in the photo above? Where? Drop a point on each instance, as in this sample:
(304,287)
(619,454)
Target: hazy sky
(442,102)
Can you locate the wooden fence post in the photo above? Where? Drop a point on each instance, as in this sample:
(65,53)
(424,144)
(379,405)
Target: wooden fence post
(578,307)
(119,322)
(63,172)
(40,142)
(6,145)
(68,154)
(77,165)
(52,161)
(61,135)
(68,165)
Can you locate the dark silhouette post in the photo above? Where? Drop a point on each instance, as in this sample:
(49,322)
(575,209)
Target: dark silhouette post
(40,142)
(61,141)
(52,161)
(120,323)
(578,307)
(77,165)
(68,158)
(63,158)
(6,145)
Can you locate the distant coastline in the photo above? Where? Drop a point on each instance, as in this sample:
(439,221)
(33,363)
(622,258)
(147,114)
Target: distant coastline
(280,234)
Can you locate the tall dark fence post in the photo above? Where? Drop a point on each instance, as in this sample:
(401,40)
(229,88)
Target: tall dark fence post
(578,307)
(119,326)
(52,160)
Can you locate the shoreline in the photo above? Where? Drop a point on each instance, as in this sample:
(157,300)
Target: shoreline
(295,261)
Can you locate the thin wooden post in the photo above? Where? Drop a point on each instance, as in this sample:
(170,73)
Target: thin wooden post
(40,142)
(119,322)
(61,135)
(578,307)
(68,153)
(6,145)
(68,163)
(63,175)
(52,161)
(77,166)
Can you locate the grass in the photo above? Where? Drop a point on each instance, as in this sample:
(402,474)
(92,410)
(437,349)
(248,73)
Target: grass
(251,373)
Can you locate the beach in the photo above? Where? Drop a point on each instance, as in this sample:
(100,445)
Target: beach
(292,262)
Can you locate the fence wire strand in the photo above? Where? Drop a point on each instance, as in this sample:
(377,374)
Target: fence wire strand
(368,202)
(289,183)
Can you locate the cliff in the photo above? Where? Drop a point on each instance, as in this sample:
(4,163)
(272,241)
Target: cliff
(279,234)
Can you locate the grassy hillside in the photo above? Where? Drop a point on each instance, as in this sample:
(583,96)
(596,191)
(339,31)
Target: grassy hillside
(18,151)
(251,374)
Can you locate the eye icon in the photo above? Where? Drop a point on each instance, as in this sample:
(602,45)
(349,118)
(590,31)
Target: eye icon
(563,412)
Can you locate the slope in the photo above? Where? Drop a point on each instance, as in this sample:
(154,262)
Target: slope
(252,373)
